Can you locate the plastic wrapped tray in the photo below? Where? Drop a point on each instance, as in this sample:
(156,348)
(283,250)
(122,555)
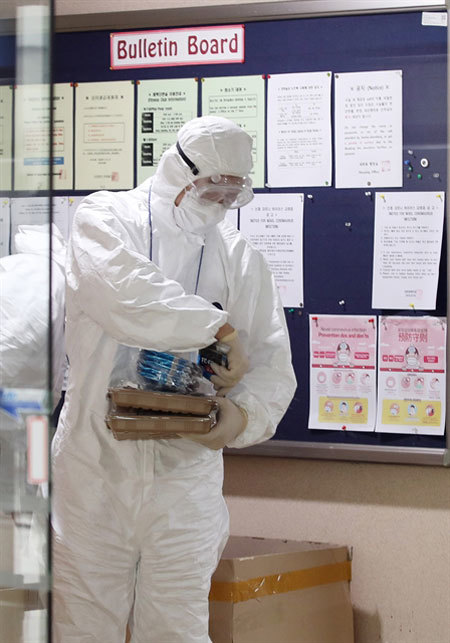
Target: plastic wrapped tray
(126,425)
(131,398)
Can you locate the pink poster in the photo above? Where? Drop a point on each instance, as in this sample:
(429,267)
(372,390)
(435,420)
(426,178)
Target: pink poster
(342,372)
(411,378)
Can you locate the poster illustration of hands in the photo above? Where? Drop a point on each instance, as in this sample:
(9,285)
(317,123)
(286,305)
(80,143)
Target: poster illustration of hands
(342,372)
(411,378)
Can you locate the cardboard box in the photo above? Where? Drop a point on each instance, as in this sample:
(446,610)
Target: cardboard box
(278,591)
(142,415)
(128,425)
(161,401)
(15,607)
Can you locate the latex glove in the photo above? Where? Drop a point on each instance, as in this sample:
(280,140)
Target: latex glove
(238,364)
(232,421)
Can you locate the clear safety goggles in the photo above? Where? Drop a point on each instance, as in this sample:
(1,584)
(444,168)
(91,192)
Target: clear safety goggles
(231,191)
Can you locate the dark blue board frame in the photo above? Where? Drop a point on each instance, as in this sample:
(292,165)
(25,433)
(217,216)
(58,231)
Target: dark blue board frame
(337,258)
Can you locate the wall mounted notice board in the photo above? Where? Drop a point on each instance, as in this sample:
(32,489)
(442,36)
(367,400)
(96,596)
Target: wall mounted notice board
(337,262)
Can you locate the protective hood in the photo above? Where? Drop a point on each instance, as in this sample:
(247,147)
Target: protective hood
(213,144)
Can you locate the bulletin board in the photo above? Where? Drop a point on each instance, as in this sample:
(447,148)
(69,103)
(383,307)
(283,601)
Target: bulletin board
(337,257)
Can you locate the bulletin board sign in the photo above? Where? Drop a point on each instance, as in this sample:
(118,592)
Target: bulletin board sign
(194,46)
(374,88)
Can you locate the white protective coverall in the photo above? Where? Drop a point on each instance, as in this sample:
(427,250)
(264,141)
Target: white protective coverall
(24,310)
(145,520)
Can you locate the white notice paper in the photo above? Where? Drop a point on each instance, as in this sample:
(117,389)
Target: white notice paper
(434,18)
(27,211)
(32,137)
(407,249)
(104,135)
(164,106)
(242,100)
(6,92)
(368,129)
(273,223)
(5,219)
(35,211)
(299,129)
(32,129)
(62,136)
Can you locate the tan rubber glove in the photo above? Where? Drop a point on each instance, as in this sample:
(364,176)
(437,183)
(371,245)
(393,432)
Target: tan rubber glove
(232,421)
(238,364)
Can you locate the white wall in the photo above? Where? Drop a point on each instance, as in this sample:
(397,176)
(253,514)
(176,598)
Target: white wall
(396,518)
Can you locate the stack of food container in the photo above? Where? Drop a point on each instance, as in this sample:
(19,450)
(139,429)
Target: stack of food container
(144,414)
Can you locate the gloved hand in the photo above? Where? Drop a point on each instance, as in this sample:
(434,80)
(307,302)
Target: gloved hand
(238,364)
(232,420)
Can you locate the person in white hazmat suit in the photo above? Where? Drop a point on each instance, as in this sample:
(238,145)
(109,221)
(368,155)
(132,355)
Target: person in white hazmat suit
(139,525)
(24,310)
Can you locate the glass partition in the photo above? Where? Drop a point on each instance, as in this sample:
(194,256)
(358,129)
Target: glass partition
(26,312)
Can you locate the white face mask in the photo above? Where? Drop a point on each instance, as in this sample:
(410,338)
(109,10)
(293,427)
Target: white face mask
(195,216)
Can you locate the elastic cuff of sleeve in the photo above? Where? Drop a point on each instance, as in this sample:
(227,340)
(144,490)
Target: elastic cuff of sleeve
(229,337)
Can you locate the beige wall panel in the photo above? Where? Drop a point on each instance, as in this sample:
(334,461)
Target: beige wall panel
(396,517)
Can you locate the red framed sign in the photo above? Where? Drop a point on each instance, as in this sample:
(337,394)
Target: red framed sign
(170,47)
